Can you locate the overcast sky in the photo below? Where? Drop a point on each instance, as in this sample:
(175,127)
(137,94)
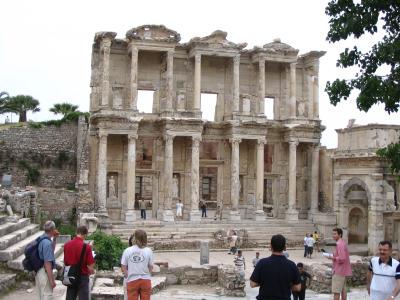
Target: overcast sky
(45,46)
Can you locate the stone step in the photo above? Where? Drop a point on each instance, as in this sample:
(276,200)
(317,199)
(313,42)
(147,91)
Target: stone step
(18,249)
(16,264)
(18,235)
(7,281)
(3,219)
(9,227)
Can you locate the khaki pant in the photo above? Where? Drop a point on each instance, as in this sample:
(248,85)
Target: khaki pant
(338,283)
(44,290)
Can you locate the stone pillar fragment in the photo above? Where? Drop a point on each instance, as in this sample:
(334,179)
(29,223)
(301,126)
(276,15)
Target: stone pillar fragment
(133,79)
(194,181)
(292,90)
(236,83)
(235,183)
(316,97)
(197,83)
(261,86)
(309,81)
(102,174)
(292,213)
(260,180)
(130,215)
(168,215)
(314,179)
(105,90)
(170,80)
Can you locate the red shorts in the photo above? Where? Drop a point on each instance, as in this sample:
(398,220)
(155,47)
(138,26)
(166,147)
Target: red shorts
(138,287)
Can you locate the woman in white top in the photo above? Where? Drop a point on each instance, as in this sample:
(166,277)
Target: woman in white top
(137,265)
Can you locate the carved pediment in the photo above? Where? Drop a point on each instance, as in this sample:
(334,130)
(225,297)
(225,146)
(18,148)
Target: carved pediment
(277,47)
(217,39)
(104,35)
(158,33)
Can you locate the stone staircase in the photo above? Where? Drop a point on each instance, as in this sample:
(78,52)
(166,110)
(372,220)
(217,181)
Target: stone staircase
(185,234)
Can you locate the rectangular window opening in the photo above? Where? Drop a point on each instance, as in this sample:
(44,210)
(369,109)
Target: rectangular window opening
(206,188)
(145,101)
(208,104)
(269,108)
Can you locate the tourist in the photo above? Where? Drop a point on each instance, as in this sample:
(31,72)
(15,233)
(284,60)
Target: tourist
(130,243)
(240,263)
(340,265)
(301,295)
(315,236)
(137,265)
(305,245)
(44,279)
(179,209)
(256,259)
(142,206)
(276,275)
(233,243)
(310,245)
(218,212)
(383,277)
(203,207)
(72,254)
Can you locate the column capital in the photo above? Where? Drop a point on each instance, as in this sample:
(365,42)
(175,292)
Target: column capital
(293,142)
(236,59)
(234,140)
(261,62)
(132,137)
(196,141)
(168,138)
(293,65)
(261,142)
(102,135)
(197,58)
(170,52)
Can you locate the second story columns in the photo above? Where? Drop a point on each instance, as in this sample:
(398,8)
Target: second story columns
(133,78)
(197,83)
(292,97)
(261,85)
(170,80)
(236,83)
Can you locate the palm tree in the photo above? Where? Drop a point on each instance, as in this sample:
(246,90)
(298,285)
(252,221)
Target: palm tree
(4,96)
(20,105)
(63,108)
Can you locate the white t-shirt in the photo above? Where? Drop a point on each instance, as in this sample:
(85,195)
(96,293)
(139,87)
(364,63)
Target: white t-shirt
(310,242)
(137,260)
(384,277)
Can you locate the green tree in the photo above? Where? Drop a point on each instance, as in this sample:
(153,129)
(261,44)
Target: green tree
(63,108)
(4,96)
(20,105)
(377,75)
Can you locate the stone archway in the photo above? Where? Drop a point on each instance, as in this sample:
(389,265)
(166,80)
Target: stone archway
(358,226)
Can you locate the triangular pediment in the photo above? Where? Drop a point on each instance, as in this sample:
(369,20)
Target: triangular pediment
(158,33)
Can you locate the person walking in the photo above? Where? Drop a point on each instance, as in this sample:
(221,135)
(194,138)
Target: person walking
(256,259)
(44,279)
(383,277)
(276,276)
(72,254)
(305,245)
(233,243)
(203,207)
(310,246)
(340,265)
(137,265)
(315,236)
(240,263)
(142,205)
(301,295)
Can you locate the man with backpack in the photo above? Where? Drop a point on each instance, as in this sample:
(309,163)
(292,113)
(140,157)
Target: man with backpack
(78,254)
(44,279)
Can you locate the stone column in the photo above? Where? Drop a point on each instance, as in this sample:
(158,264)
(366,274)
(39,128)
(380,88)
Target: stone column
(134,72)
(261,86)
(316,96)
(102,174)
(309,81)
(235,166)
(197,83)
(130,215)
(236,83)
(170,79)
(314,179)
(260,180)
(293,90)
(194,181)
(168,215)
(105,91)
(292,213)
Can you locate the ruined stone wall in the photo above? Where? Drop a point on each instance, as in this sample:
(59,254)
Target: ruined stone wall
(51,150)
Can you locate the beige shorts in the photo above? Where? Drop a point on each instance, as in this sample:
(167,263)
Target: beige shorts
(338,283)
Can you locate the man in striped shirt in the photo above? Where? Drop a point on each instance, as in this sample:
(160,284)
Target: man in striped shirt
(383,277)
(240,263)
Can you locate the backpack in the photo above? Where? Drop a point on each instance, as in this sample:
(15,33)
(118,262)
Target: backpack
(32,260)
(72,274)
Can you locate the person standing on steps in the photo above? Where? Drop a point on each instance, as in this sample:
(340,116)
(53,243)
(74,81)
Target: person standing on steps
(203,207)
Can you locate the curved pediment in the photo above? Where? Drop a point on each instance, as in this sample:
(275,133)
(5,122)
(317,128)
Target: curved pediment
(158,33)
(217,39)
(278,47)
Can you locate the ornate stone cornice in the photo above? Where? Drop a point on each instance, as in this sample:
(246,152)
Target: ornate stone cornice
(158,33)
(104,35)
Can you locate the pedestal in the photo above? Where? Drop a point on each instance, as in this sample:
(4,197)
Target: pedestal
(130,216)
(260,215)
(104,223)
(168,216)
(234,216)
(292,215)
(195,216)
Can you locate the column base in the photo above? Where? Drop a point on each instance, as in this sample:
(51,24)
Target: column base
(234,215)
(130,216)
(292,215)
(104,223)
(311,214)
(260,215)
(168,216)
(195,216)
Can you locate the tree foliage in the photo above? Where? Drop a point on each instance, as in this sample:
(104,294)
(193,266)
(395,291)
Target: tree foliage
(392,154)
(378,69)
(63,108)
(20,105)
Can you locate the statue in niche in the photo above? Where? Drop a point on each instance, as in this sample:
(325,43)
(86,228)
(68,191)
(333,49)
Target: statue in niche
(111,188)
(175,186)
(301,109)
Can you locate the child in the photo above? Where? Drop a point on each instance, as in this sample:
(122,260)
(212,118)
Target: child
(240,263)
(303,280)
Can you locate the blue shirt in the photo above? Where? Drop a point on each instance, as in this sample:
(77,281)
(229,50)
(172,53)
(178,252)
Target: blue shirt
(46,250)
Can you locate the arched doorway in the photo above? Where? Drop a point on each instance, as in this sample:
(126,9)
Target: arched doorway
(358,226)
